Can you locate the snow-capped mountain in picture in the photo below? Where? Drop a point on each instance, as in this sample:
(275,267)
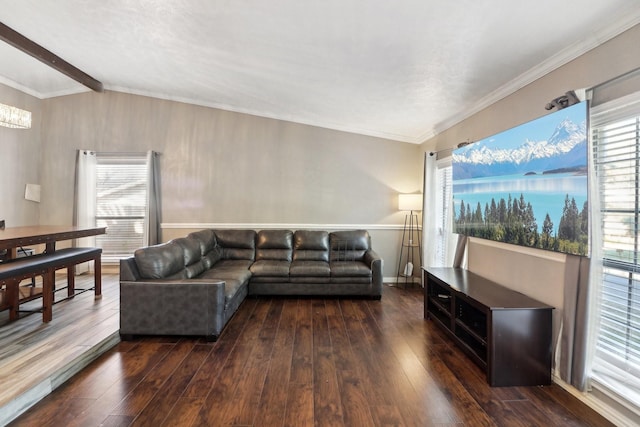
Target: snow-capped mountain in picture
(564,149)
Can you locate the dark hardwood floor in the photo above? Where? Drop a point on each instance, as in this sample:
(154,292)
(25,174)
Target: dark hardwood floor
(303,362)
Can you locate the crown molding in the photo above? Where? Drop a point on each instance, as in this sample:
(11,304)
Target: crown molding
(15,85)
(65,92)
(37,94)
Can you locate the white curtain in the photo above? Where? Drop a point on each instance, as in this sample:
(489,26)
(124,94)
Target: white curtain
(589,316)
(152,217)
(84,209)
(581,313)
(574,352)
(441,246)
(429,222)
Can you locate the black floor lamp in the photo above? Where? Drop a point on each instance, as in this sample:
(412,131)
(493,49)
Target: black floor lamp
(411,237)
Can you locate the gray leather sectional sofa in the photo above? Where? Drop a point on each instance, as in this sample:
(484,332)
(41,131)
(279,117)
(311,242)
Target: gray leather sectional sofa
(193,285)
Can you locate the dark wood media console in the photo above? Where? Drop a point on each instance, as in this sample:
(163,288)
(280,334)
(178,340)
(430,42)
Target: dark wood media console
(503,331)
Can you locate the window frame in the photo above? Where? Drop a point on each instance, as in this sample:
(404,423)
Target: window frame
(615,368)
(103,160)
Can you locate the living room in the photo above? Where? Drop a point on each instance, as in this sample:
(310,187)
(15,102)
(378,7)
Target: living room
(219,168)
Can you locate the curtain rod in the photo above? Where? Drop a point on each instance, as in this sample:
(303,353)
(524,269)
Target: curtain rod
(460,145)
(437,153)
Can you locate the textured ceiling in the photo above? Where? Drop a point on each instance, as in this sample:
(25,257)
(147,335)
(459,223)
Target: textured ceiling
(402,70)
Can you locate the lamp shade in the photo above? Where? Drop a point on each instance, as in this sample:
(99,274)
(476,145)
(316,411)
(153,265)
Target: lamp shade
(410,202)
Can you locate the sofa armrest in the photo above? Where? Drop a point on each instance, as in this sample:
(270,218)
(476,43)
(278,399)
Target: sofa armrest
(372,258)
(128,269)
(172,307)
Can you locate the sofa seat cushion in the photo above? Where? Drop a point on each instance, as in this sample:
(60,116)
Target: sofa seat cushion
(270,268)
(350,280)
(309,268)
(269,279)
(350,269)
(232,264)
(313,280)
(241,274)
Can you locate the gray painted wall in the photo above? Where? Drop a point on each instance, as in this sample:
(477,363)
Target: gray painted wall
(19,161)
(225,167)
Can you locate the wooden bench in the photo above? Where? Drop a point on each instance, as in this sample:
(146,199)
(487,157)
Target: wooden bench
(45,265)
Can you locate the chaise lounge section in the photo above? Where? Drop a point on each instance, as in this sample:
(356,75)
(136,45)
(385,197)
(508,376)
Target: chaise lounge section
(193,285)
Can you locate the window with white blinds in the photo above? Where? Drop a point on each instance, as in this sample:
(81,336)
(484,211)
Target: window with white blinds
(121,203)
(616,143)
(443,211)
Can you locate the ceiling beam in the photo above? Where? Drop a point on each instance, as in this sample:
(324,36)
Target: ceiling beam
(29,47)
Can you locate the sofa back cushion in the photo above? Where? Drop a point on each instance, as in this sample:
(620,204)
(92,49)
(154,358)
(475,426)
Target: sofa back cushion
(237,244)
(207,239)
(274,245)
(311,245)
(211,252)
(212,258)
(349,245)
(163,261)
(192,256)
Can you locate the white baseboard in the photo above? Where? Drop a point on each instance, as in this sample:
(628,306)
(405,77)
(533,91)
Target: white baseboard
(607,411)
(394,280)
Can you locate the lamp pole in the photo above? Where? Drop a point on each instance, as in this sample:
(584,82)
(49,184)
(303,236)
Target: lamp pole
(410,239)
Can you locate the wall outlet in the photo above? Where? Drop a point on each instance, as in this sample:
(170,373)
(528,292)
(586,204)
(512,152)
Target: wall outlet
(1,224)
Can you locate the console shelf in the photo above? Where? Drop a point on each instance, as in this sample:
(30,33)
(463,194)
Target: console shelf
(503,331)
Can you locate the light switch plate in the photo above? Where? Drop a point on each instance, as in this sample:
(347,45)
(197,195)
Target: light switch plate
(32,192)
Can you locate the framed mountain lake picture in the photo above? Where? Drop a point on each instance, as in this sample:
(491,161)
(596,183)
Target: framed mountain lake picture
(527,185)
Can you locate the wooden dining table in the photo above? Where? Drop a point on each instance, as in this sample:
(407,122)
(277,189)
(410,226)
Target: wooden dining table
(12,238)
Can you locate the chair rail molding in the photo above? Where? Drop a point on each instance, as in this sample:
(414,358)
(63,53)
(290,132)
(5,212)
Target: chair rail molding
(280,226)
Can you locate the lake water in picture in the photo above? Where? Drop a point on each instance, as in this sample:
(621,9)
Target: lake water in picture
(546,193)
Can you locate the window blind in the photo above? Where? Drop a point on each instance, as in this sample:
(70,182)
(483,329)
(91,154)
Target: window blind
(443,210)
(615,131)
(121,203)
